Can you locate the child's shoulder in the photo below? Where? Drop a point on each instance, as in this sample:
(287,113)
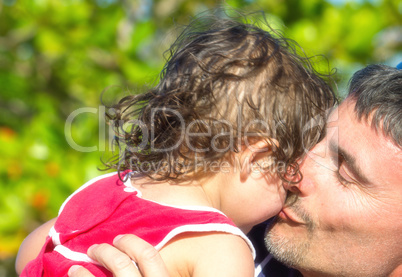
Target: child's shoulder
(208,254)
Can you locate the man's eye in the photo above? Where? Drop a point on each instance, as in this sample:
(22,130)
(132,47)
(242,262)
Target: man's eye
(342,179)
(338,160)
(341,173)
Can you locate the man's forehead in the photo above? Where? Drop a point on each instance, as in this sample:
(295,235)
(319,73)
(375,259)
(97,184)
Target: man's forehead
(345,116)
(332,120)
(359,138)
(345,131)
(342,112)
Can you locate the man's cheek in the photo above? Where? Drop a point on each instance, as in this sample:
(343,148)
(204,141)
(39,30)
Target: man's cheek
(344,210)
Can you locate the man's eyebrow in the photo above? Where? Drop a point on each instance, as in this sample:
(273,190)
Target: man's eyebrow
(350,162)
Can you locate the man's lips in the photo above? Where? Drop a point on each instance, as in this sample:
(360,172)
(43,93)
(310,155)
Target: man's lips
(287,215)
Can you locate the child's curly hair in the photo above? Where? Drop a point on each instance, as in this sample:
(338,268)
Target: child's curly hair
(224,82)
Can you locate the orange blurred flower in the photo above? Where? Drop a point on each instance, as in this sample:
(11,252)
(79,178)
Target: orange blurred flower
(39,200)
(52,169)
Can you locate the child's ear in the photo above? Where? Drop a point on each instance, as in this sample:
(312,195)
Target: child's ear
(254,152)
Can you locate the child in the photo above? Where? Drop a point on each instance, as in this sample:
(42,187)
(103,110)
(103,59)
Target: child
(204,155)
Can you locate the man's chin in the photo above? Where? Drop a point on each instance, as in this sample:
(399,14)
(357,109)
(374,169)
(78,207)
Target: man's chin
(284,246)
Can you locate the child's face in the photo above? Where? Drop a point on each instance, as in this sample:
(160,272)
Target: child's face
(251,198)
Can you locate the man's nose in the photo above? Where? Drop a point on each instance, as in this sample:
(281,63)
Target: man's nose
(292,187)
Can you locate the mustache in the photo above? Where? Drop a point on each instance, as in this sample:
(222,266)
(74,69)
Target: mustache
(291,199)
(293,203)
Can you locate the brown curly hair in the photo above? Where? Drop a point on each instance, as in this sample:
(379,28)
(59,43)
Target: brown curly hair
(225,82)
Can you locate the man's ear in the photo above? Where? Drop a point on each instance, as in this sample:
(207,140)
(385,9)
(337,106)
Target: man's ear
(253,153)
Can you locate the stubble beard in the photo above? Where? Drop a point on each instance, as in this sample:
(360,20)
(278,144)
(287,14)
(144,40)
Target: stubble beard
(292,251)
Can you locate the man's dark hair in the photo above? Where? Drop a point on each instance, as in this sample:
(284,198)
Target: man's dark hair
(377,90)
(223,75)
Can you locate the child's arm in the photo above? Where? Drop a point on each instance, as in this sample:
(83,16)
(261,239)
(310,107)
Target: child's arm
(228,255)
(32,245)
(210,254)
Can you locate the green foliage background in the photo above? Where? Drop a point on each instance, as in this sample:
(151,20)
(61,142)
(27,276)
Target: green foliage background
(58,56)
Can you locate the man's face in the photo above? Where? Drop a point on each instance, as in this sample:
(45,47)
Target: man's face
(345,217)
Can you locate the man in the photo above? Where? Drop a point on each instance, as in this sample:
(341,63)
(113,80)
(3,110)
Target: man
(345,217)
